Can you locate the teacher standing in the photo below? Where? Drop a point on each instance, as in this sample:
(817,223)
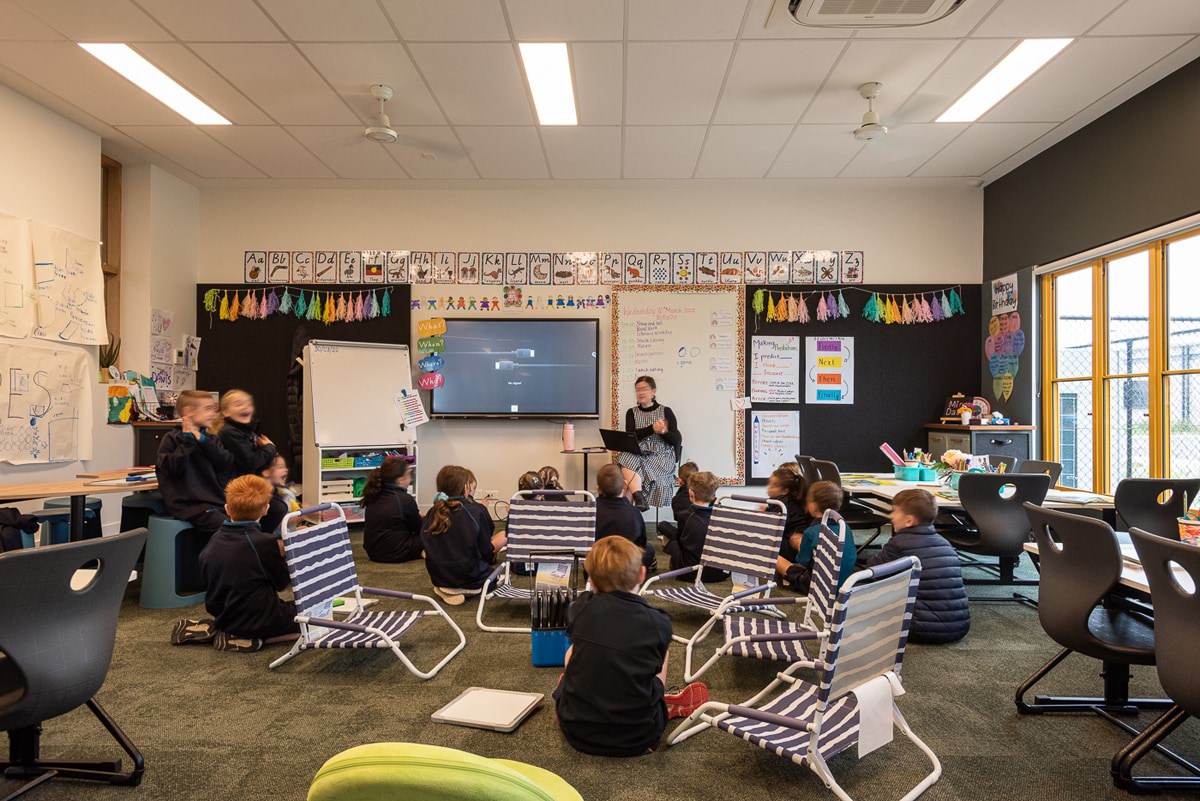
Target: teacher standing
(650,476)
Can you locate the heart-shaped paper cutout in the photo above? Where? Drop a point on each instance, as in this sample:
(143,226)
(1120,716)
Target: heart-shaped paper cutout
(1006,385)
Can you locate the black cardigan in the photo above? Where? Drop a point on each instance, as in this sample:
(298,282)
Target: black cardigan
(673,435)
(393,526)
(241,440)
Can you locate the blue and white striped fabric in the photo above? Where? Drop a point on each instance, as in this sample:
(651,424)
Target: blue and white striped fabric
(506,590)
(827,559)
(778,650)
(393,624)
(320,563)
(690,596)
(549,527)
(839,725)
(743,541)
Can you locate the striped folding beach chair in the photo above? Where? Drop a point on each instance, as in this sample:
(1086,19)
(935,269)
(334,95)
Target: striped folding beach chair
(321,566)
(854,703)
(739,540)
(782,640)
(545,529)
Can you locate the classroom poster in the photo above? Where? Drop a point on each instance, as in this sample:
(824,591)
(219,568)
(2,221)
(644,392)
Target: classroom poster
(775,369)
(1004,295)
(774,439)
(69,285)
(48,396)
(830,370)
(16,274)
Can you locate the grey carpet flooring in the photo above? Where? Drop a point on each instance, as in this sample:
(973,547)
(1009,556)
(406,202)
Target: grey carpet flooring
(222,726)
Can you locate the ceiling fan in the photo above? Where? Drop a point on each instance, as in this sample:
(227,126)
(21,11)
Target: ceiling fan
(379,129)
(871,128)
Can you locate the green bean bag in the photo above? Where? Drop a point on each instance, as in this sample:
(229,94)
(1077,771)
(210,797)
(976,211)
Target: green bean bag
(411,771)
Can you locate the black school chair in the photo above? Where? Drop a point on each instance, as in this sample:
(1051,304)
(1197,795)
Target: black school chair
(1176,657)
(55,647)
(808,470)
(1154,504)
(1052,469)
(998,524)
(1009,463)
(857,515)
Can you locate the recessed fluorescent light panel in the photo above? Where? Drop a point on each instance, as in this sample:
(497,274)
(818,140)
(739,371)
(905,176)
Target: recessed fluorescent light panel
(548,71)
(1025,59)
(151,79)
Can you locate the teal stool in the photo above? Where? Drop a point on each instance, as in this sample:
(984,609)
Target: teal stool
(56,528)
(170,569)
(137,508)
(91,514)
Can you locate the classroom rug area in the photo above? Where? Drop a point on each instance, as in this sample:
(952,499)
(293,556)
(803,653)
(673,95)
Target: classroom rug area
(216,726)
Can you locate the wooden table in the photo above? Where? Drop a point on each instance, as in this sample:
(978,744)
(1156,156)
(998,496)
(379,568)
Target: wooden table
(77,490)
(1133,575)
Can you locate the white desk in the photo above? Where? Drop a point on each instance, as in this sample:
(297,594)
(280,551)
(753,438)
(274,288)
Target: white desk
(884,487)
(1132,573)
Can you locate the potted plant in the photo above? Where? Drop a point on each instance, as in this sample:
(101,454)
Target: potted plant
(108,356)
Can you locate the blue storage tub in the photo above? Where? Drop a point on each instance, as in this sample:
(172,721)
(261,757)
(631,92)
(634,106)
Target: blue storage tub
(550,647)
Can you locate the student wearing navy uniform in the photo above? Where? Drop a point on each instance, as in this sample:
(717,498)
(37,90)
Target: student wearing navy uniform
(822,496)
(252,452)
(193,466)
(615,515)
(681,504)
(458,550)
(392,530)
(686,548)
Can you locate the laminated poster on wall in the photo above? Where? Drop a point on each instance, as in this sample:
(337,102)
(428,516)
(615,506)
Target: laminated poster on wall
(775,369)
(829,370)
(774,439)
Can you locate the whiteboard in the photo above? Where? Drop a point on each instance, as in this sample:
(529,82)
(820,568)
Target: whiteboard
(690,340)
(354,386)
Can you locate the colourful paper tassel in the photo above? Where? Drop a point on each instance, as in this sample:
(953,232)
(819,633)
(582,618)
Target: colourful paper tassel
(235,308)
(285,303)
(224,312)
(359,307)
(871,308)
(843,309)
(758,303)
(822,311)
(263,310)
(250,307)
(212,300)
(946,310)
(372,305)
(339,310)
(831,306)
(770,308)
(330,311)
(314,307)
(301,307)
(926,314)
(935,310)
(386,308)
(956,302)
(802,310)
(273,302)
(906,312)
(893,311)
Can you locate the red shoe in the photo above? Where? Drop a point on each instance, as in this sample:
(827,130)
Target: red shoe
(687,700)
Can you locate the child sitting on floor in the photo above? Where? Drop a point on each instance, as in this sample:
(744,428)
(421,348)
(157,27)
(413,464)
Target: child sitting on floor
(615,515)
(244,569)
(686,548)
(941,613)
(283,499)
(458,551)
(392,530)
(822,496)
(681,504)
(611,697)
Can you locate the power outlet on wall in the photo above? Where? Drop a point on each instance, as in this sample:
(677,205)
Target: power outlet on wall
(486,495)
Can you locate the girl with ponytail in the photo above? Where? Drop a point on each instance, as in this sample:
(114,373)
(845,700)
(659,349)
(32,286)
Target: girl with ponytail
(458,548)
(393,522)
(787,484)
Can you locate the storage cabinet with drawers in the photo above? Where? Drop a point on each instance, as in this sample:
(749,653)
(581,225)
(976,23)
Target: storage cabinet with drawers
(1015,441)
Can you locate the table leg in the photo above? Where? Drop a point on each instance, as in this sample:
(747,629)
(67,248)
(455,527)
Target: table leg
(78,508)
(585,470)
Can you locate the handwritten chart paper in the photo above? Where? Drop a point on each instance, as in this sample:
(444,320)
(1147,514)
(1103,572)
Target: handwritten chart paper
(46,398)
(16,274)
(775,369)
(830,370)
(69,286)
(774,439)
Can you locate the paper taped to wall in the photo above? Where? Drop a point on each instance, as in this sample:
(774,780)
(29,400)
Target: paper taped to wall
(46,405)
(16,277)
(69,285)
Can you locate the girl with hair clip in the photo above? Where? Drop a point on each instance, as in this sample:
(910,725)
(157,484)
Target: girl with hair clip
(458,550)
(392,532)
(238,431)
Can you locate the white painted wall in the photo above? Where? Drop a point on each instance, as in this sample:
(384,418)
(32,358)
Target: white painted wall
(51,173)
(925,234)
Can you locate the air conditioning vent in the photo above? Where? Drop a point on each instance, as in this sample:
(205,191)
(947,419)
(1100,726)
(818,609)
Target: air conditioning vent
(865,13)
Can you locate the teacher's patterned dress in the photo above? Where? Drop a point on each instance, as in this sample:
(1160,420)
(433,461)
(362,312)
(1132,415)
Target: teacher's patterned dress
(656,465)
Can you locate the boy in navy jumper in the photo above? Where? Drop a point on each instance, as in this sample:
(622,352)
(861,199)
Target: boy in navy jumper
(681,504)
(193,466)
(611,697)
(615,515)
(941,614)
(686,548)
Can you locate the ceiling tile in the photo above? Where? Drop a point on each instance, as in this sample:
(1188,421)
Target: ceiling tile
(347,152)
(477,84)
(957,74)
(109,21)
(674,83)
(773,82)
(18,25)
(71,73)
(191,148)
(583,152)
(599,84)
(668,151)
(761,25)
(566,20)
(505,152)
(1039,18)
(448,20)
(213,20)
(322,21)
(269,148)
(816,151)
(185,67)
(900,65)
(1080,75)
(352,68)
(983,146)
(279,80)
(437,139)
(657,20)
(904,149)
(1151,16)
(957,25)
(740,151)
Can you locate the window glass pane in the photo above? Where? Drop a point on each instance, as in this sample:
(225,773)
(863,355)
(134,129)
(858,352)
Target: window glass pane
(1183,311)
(1129,313)
(1073,331)
(1128,429)
(1073,408)
(1183,426)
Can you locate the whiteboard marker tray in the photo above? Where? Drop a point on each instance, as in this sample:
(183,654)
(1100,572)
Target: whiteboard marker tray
(481,708)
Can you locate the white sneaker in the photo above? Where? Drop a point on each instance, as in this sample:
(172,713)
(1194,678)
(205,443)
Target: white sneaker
(452,597)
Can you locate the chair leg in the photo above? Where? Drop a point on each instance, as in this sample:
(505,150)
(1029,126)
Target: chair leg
(1116,700)
(1150,740)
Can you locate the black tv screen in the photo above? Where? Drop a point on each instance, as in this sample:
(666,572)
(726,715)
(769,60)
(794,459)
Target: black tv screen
(520,368)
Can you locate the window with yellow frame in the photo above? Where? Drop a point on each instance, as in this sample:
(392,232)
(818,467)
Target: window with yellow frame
(1121,364)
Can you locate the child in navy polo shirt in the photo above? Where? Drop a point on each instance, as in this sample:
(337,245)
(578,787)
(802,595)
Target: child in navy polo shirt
(611,698)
